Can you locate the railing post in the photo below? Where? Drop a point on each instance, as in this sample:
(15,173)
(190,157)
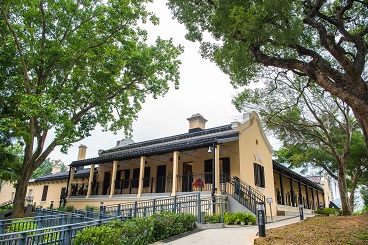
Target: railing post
(135,210)
(144,211)
(2,226)
(119,210)
(101,210)
(199,207)
(174,205)
(154,206)
(23,238)
(67,235)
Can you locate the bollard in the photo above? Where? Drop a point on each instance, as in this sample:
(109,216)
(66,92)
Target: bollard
(261,220)
(301,212)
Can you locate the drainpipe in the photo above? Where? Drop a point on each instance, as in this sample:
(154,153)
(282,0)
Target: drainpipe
(213,178)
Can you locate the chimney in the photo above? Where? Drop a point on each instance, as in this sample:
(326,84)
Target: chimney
(196,123)
(82,152)
(55,169)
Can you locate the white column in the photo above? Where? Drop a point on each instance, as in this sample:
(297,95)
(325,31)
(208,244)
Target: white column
(141,175)
(217,169)
(175,172)
(90,180)
(113,178)
(71,178)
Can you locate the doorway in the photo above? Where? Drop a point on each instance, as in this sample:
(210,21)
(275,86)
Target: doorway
(187,177)
(106,183)
(161,179)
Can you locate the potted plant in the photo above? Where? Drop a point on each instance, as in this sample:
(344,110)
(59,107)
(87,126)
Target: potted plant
(198,183)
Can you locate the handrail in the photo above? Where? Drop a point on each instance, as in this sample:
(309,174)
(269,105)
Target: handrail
(245,194)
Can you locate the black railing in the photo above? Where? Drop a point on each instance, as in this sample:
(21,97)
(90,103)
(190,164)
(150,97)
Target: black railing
(245,194)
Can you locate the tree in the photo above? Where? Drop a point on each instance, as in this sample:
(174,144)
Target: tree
(67,66)
(324,41)
(10,162)
(46,168)
(315,128)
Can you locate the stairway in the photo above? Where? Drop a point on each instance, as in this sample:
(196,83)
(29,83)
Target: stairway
(242,192)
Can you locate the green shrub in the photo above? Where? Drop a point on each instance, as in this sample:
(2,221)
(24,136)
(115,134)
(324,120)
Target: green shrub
(138,231)
(238,217)
(5,208)
(328,211)
(212,218)
(69,208)
(363,211)
(91,208)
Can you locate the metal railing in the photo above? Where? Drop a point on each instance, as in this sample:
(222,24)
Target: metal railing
(61,228)
(242,192)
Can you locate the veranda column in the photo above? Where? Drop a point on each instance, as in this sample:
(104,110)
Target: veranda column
(282,189)
(90,180)
(113,178)
(307,196)
(292,192)
(217,169)
(71,178)
(141,175)
(175,173)
(313,203)
(317,199)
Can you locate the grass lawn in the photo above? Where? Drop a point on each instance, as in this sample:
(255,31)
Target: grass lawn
(320,230)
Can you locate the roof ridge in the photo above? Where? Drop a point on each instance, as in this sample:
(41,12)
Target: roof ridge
(169,138)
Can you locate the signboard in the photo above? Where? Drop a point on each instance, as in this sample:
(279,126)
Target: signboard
(269,200)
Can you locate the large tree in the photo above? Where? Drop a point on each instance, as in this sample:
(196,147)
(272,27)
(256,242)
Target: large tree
(316,129)
(67,66)
(325,41)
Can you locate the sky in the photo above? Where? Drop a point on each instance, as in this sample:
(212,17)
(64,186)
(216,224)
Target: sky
(203,89)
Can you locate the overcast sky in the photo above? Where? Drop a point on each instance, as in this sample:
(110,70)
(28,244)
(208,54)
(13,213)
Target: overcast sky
(203,89)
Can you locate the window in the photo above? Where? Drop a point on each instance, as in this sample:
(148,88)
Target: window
(259,177)
(135,180)
(63,192)
(146,179)
(44,193)
(208,171)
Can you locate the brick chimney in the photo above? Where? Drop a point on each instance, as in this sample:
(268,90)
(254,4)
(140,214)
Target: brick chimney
(55,169)
(82,152)
(196,123)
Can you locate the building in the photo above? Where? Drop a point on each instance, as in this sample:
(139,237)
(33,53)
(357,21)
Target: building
(233,160)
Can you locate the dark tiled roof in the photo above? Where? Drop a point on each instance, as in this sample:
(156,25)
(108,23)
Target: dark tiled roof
(281,168)
(83,173)
(315,179)
(179,142)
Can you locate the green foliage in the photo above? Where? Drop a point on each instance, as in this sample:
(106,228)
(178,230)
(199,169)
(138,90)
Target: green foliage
(46,168)
(5,208)
(67,67)
(364,193)
(212,218)
(362,236)
(69,208)
(138,231)
(328,212)
(10,162)
(238,217)
(363,211)
(91,208)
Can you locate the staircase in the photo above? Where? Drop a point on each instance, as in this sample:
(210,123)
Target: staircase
(242,192)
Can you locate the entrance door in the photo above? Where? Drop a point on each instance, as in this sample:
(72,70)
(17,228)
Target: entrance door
(161,179)
(187,177)
(106,183)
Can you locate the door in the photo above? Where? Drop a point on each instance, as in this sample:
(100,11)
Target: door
(106,183)
(161,179)
(187,177)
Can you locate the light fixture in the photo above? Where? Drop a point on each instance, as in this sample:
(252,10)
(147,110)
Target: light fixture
(209,149)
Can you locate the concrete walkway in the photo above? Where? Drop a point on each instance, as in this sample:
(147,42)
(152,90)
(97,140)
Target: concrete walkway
(234,235)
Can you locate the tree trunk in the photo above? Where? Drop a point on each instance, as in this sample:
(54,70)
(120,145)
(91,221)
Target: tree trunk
(343,189)
(21,191)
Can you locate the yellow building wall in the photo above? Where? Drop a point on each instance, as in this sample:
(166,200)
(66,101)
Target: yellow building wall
(254,148)
(7,192)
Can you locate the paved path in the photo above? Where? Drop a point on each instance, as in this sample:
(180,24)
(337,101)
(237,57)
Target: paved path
(236,235)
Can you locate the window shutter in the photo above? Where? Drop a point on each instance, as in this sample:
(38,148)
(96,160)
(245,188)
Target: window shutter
(256,174)
(147,174)
(208,171)
(44,193)
(262,177)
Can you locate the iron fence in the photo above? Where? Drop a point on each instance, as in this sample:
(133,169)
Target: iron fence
(61,228)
